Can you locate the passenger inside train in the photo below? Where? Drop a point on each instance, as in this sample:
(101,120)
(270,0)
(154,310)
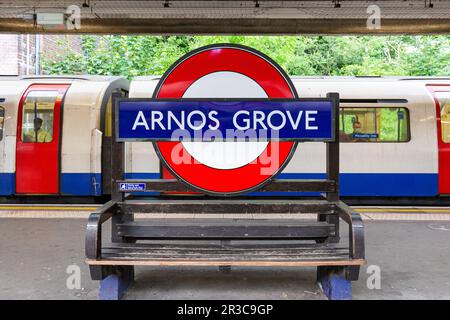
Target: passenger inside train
(37,117)
(357,135)
(39,134)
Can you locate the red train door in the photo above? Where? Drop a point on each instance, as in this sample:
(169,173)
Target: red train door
(441,94)
(38,139)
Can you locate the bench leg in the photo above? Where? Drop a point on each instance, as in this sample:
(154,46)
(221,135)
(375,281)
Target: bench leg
(334,283)
(225,269)
(114,286)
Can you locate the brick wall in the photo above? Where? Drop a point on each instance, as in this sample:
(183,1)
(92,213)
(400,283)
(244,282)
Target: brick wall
(26,55)
(9,64)
(18,52)
(54,45)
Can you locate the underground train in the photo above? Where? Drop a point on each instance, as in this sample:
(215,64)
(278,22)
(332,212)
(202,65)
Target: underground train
(394,133)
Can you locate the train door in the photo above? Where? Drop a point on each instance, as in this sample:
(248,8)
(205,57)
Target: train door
(39,139)
(441,94)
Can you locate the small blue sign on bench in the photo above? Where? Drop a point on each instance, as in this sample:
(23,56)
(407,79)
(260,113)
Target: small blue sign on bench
(225,120)
(128,186)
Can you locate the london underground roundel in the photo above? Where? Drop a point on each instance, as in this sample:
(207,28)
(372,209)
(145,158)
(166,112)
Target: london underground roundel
(226,72)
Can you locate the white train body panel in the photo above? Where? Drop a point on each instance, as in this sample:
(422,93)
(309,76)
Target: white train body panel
(419,155)
(367,168)
(81,163)
(141,159)
(11,91)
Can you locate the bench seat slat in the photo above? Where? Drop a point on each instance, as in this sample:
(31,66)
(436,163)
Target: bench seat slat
(235,246)
(254,263)
(138,251)
(235,255)
(224,206)
(224,229)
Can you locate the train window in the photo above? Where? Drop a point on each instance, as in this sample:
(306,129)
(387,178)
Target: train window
(37,116)
(2,121)
(374,125)
(444,103)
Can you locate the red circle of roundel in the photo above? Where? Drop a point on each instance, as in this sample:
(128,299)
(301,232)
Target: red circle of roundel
(270,78)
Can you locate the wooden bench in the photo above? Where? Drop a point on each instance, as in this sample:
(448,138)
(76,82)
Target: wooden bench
(248,241)
(215,237)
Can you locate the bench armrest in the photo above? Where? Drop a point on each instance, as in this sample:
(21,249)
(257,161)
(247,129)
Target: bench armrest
(93,242)
(356,229)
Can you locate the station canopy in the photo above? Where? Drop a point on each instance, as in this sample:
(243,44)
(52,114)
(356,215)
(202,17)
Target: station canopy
(227,17)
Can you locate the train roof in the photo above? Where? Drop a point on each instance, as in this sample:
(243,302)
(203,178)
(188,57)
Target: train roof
(369,78)
(157,77)
(62,77)
(146,78)
(333,78)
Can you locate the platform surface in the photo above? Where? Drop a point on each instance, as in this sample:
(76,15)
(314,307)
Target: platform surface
(36,253)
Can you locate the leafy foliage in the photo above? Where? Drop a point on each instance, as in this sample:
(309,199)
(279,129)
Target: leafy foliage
(299,55)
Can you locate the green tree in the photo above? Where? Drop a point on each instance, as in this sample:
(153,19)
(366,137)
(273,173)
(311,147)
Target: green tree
(299,55)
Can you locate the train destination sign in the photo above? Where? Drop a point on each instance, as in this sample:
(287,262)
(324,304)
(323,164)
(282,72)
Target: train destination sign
(224,119)
(229,120)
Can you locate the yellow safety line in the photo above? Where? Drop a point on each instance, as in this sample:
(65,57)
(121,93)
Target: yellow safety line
(403,210)
(48,208)
(93,208)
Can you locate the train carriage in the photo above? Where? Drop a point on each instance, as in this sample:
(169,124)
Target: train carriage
(394,132)
(53,130)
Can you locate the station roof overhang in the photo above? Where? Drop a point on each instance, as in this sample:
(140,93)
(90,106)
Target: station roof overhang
(227,17)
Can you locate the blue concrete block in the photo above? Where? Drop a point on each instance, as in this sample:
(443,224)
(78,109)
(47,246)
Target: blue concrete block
(334,284)
(114,286)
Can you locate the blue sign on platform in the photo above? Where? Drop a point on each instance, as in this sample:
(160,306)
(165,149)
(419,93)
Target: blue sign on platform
(231,120)
(128,186)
